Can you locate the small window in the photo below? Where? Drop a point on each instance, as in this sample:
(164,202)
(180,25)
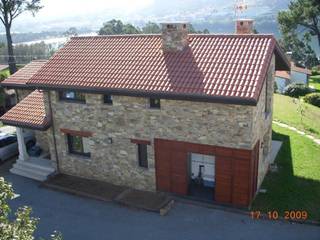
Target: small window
(107,99)
(155,103)
(72,96)
(78,145)
(142,155)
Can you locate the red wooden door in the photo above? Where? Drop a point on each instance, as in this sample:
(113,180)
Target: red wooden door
(171,167)
(223,180)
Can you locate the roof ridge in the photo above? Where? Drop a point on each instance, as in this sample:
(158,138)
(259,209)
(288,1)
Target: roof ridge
(190,34)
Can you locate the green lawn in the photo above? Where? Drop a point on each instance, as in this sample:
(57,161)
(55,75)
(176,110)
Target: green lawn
(288,110)
(296,185)
(314,81)
(5,72)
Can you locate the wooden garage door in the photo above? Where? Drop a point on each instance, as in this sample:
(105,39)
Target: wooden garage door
(171,167)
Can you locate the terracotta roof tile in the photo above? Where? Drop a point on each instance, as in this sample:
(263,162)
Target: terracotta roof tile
(283,74)
(231,66)
(24,74)
(30,113)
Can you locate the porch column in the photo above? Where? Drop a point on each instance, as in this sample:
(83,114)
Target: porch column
(23,154)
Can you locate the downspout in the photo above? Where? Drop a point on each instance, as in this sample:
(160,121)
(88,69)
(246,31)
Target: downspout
(53,133)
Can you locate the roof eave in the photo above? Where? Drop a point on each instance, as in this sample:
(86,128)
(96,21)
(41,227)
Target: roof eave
(282,62)
(163,95)
(15,86)
(43,127)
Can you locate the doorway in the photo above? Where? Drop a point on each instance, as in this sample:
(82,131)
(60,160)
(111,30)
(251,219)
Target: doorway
(201,176)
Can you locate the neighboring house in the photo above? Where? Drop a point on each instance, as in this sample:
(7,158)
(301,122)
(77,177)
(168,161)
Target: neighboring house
(282,79)
(299,74)
(157,112)
(296,75)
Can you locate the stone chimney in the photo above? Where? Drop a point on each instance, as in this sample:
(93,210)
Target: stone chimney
(244,26)
(174,36)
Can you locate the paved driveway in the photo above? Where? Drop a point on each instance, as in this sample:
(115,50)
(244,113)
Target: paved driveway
(81,218)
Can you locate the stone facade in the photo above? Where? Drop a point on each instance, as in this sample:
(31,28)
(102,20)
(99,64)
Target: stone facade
(227,125)
(131,118)
(22,93)
(262,122)
(42,139)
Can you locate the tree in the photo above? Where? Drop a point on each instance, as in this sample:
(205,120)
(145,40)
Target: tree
(301,52)
(298,25)
(10,10)
(23,226)
(115,27)
(302,15)
(151,27)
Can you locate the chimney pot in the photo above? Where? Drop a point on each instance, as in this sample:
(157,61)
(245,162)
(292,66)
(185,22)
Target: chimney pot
(174,36)
(244,26)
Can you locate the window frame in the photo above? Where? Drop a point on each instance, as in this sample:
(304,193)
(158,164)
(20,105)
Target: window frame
(71,148)
(108,99)
(143,155)
(79,96)
(153,105)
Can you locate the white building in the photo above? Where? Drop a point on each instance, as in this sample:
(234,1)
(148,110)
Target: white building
(296,75)
(299,74)
(282,79)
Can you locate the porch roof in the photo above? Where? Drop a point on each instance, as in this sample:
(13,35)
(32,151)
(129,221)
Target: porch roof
(29,113)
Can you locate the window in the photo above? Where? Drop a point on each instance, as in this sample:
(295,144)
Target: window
(107,99)
(155,103)
(78,145)
(72,96)
(142,155)
(267,106)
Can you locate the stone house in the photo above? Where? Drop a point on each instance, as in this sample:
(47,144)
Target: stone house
(176,112)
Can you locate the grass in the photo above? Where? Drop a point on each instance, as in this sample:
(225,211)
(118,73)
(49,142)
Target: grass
(5,72)
(314,81)
(296,185)
(288,110)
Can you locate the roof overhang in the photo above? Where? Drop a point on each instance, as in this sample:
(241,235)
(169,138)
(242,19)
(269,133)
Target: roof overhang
(282,62)
(153,94)
(43,127)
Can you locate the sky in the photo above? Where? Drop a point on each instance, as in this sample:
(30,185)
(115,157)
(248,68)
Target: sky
(65,8)
(59,15)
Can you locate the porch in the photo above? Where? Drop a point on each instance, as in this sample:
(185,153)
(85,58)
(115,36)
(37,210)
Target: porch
(30,114)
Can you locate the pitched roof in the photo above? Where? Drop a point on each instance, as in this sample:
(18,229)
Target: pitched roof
(300,69)
(29,113)
(222,68)
(20,78)
(283,74)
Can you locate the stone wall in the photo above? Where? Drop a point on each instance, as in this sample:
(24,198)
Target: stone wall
(42,139)
(131,118)
(22,93)
(262,123)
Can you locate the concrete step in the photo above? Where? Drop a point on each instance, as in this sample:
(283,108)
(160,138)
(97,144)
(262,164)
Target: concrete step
(31,171)
(28,174)
(43,165)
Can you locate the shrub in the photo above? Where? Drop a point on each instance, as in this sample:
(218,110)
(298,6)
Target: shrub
(313,98)
(296,90)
